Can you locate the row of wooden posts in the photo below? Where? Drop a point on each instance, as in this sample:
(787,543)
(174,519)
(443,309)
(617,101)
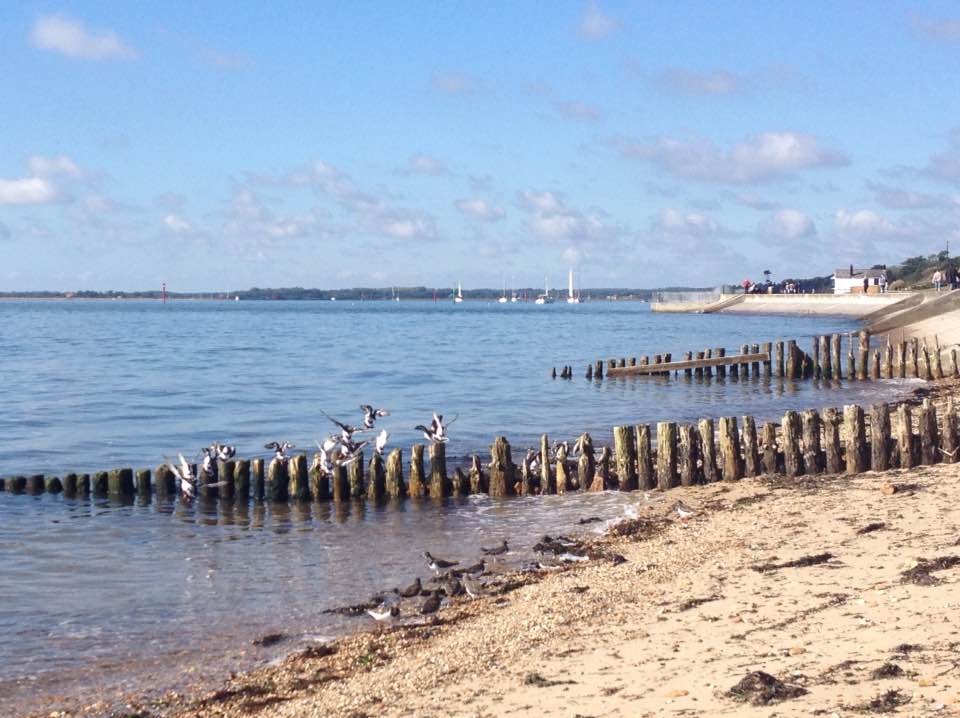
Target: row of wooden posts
(808,442)
(903,359)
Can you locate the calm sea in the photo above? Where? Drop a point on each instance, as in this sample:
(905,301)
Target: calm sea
(98,598)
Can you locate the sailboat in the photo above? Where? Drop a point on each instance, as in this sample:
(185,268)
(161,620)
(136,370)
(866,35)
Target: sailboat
(544,298)
(571,297)
(503,297)
(395,293)
(458,297)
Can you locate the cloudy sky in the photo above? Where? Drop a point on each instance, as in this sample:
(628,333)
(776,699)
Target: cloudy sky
(226,145)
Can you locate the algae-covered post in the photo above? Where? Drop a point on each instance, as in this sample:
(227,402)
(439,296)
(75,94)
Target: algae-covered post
(625,454)
(395,487)
(142,480)
(906,445)
(815,356)
(298,487)
(277,480)
(502,470)
(645,476)
(708,450)
(666,455)
(948,435)
(769,439)
(863,347)
(241,479)
(165,481)
(929,438)
(835,351)
(825,360)
(833,459)
(69,485)
(879,437)
(751,455)
(779,358)
(416,486)
(730,448)
(439,483)
(791,358)
(339,485)
(257,484)
(99,484)
(546,476)
(376,479)
(792,454)
(689,444)
(856,439)
(225,475)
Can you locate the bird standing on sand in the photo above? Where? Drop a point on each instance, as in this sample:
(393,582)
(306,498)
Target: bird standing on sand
(370,415)
(473,587)
(414,589)
(684,511)
(432,604)
(496,550)
(384,612)
(280,448)
(438,565)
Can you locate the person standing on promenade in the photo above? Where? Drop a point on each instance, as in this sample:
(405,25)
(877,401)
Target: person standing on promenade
(937,279)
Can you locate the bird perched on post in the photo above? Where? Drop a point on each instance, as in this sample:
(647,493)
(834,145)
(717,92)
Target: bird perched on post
(280,448)
(436,433)
(381,442)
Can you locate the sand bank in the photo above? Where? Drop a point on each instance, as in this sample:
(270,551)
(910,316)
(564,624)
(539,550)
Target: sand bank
(845,305)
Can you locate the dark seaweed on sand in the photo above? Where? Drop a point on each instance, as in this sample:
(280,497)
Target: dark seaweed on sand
(921,573)
(760,689)
(796,563)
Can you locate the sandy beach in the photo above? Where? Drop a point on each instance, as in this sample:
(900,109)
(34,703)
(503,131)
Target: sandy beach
(824,595)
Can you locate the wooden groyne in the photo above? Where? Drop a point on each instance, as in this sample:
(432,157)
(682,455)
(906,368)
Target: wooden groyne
(910,359)
(830,440)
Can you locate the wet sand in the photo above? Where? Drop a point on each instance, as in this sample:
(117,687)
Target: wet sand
(864,622)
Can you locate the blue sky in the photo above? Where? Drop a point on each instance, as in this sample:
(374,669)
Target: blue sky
(228,145)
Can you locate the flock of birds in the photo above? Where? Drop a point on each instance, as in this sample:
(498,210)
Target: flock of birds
(337,449)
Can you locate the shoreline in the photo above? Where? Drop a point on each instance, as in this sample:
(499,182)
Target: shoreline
(536,644)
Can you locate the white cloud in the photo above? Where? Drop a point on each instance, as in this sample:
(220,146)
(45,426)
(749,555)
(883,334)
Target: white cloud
(60,165)
(789,224)
(900,198)
(69,37)
(480,209)
(553,220)
(676,222)
(426,165)
(867,222)
(758,158)
(946,165)
(579,111)
(408,227)
(546,202)
(29,190)
(572,256)
(595,24)
(688,82)
(177,224)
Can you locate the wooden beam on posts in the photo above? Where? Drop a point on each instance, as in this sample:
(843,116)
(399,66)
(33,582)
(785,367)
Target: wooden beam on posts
(880,437)
(376,479)
(623,450)
(277,480)
(417,486)
(779,358)
(906,444)
(666,455)
(689,444)
(751,453)
(791,369)
(502,470)
(708,451)
(257,482)
(929,435)
(646,478)
(769,448)
(863,348)
(732,467)
(586,464)
(395,486)
(547,485)
(948,435)
(792,452)
(241,480)
(835,351)
(478,480)
(439,481)
(833,457)
(856,439)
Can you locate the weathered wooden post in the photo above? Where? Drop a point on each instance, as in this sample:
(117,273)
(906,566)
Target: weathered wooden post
(165,482)
(526,477)
(769,438)
(143,483)
(439,482)
(83,484)
(36,484)
(611,364)
(395,486)
(835,350)
(825,361)
(745,367)
(815,356)
(589,371)
(901,360)
(929,436)
(936,366)
(298,486)
(722,369)
(779,358)
(875,364)
(586,464)
(598,371)
(708,450)
(851,362)
(257,482)
(99,484)
(502,470)
(355,477)
(646,479)
(951,368)
(667,358)
(792,454)
(376,479)
(948,436)
(954,364)
(547,485)
(666,455)
(241,480)
(52,485)
(69,485)
(657,359)
(730,448)
(791,372)
(810,432)
(856,438)
(632,361)
(601,477)
(734,371)
(416,487)
(224,474)
(689,444)
(863,347)
(687,356)
(277,480)
(751,455)
(886,369)
(879,437)
(15,484)
(833,459)
(767,348)
(707,370)
(563,475)
(626,458)
(923,363)
(698,372)
(755,366)
(478,480)
(459,483)
(906,445)
(912,372)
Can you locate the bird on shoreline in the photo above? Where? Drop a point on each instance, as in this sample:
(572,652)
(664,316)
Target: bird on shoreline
(280,448)
(431,604)
(437,565)
(414,589)
(473,587)
(370,415)
(384,612)
(684,511)
(496,550)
